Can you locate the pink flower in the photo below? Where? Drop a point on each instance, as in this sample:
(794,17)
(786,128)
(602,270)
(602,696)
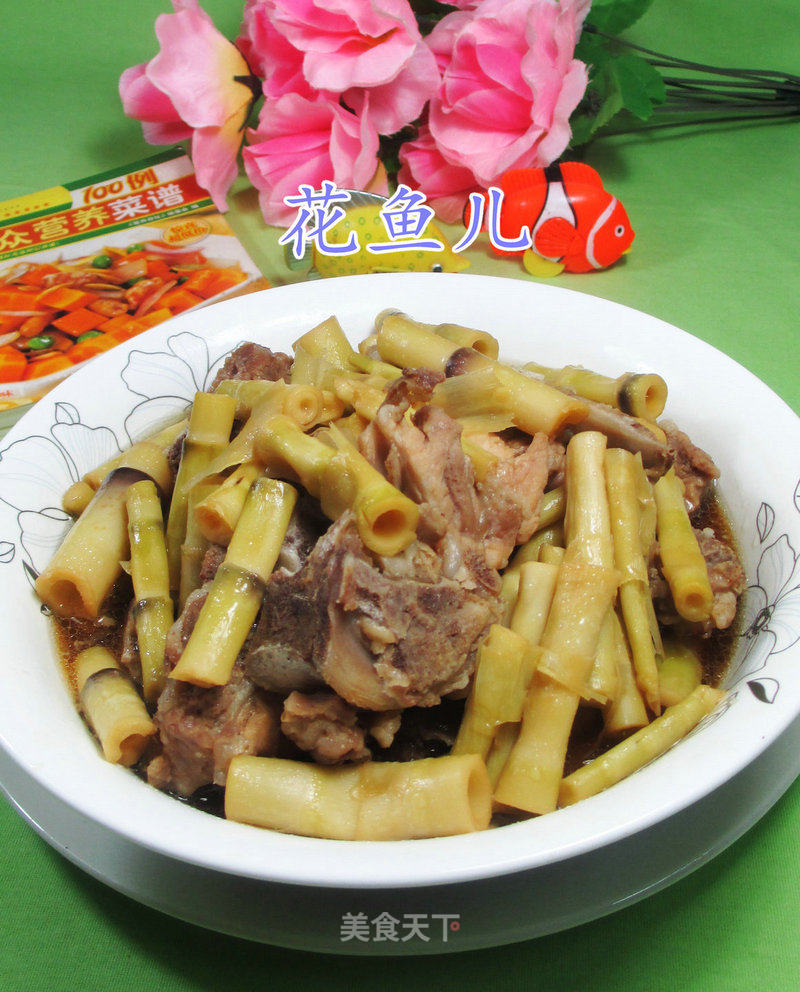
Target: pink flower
(198,86)
(510,83)
(346,47)
(269,54)
(299,140)
(446,186)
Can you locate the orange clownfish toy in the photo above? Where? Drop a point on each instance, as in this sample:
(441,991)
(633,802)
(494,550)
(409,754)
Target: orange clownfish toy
(575,224)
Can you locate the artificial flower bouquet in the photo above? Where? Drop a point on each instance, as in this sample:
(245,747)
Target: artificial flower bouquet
(443,97)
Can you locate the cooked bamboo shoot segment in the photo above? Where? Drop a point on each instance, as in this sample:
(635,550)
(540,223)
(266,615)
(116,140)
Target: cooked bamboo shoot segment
(475,394)
(468,337)
(341,478)
(235,596)
(302,403)
(532,774)
(626,710)
(509,591)
(112,707)
(551,554)
(535,406)
(195,544)
(150,575)
(537,585)
(377,800)
(218,511)
(209,429)
(640,748)
(483,461)
(587,522)
(681,558)
(679,673)
(82,572)
(634,594)
(148,456)
(639,394)
(328,341)
(407,343)
(506,662)
(531,550)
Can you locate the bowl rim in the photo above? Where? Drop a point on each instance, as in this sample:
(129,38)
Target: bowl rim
(252,852)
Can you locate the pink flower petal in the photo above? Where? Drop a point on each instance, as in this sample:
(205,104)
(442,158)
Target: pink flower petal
(215,151)
(141,100)
(196,67)
(510,82)
(446,186)
(306,141)
(168,133)
(348,43)
(400,101)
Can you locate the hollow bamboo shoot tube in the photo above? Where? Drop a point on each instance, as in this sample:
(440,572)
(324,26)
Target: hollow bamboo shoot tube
(483,461)
(532,774)
(385,517)
(303,403)
(535,406)
(634,594)
(217,512)
(474,394)
(681,559)
(509,590)
(537,585)
(150,575)
(312,370)
(603,679)
(148,456)
(407,343)
(82,573)
(112,707)
(248,393)
(469,337)
(626,710)
(195,544)
(365,398)
(679,673)
(641,747)
(587,521)
(241,449)
(551,554)
(502,745)
(341,478)
(235,596)
(552,507)
(209,429)
(638,394)
(504,668)
(433,797)
(531,550)
(327,340)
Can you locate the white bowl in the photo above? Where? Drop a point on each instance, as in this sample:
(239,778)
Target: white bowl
(508,883)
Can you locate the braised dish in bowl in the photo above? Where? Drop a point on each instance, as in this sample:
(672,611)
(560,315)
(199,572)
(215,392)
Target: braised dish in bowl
(399,591)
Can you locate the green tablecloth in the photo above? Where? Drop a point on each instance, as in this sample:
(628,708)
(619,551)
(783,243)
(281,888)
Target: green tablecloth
(717,215)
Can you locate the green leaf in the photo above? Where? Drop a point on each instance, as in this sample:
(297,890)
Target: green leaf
(640,85)
(603,101)
(615,16)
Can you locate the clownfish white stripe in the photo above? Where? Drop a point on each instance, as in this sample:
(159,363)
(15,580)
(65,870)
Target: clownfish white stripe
(595,228)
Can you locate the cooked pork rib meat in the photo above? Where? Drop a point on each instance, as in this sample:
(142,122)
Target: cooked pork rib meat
(381,639)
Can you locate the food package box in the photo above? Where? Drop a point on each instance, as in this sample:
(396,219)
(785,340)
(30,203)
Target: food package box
(95,262)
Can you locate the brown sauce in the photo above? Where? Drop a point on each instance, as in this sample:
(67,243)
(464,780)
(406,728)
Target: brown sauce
(715,652)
